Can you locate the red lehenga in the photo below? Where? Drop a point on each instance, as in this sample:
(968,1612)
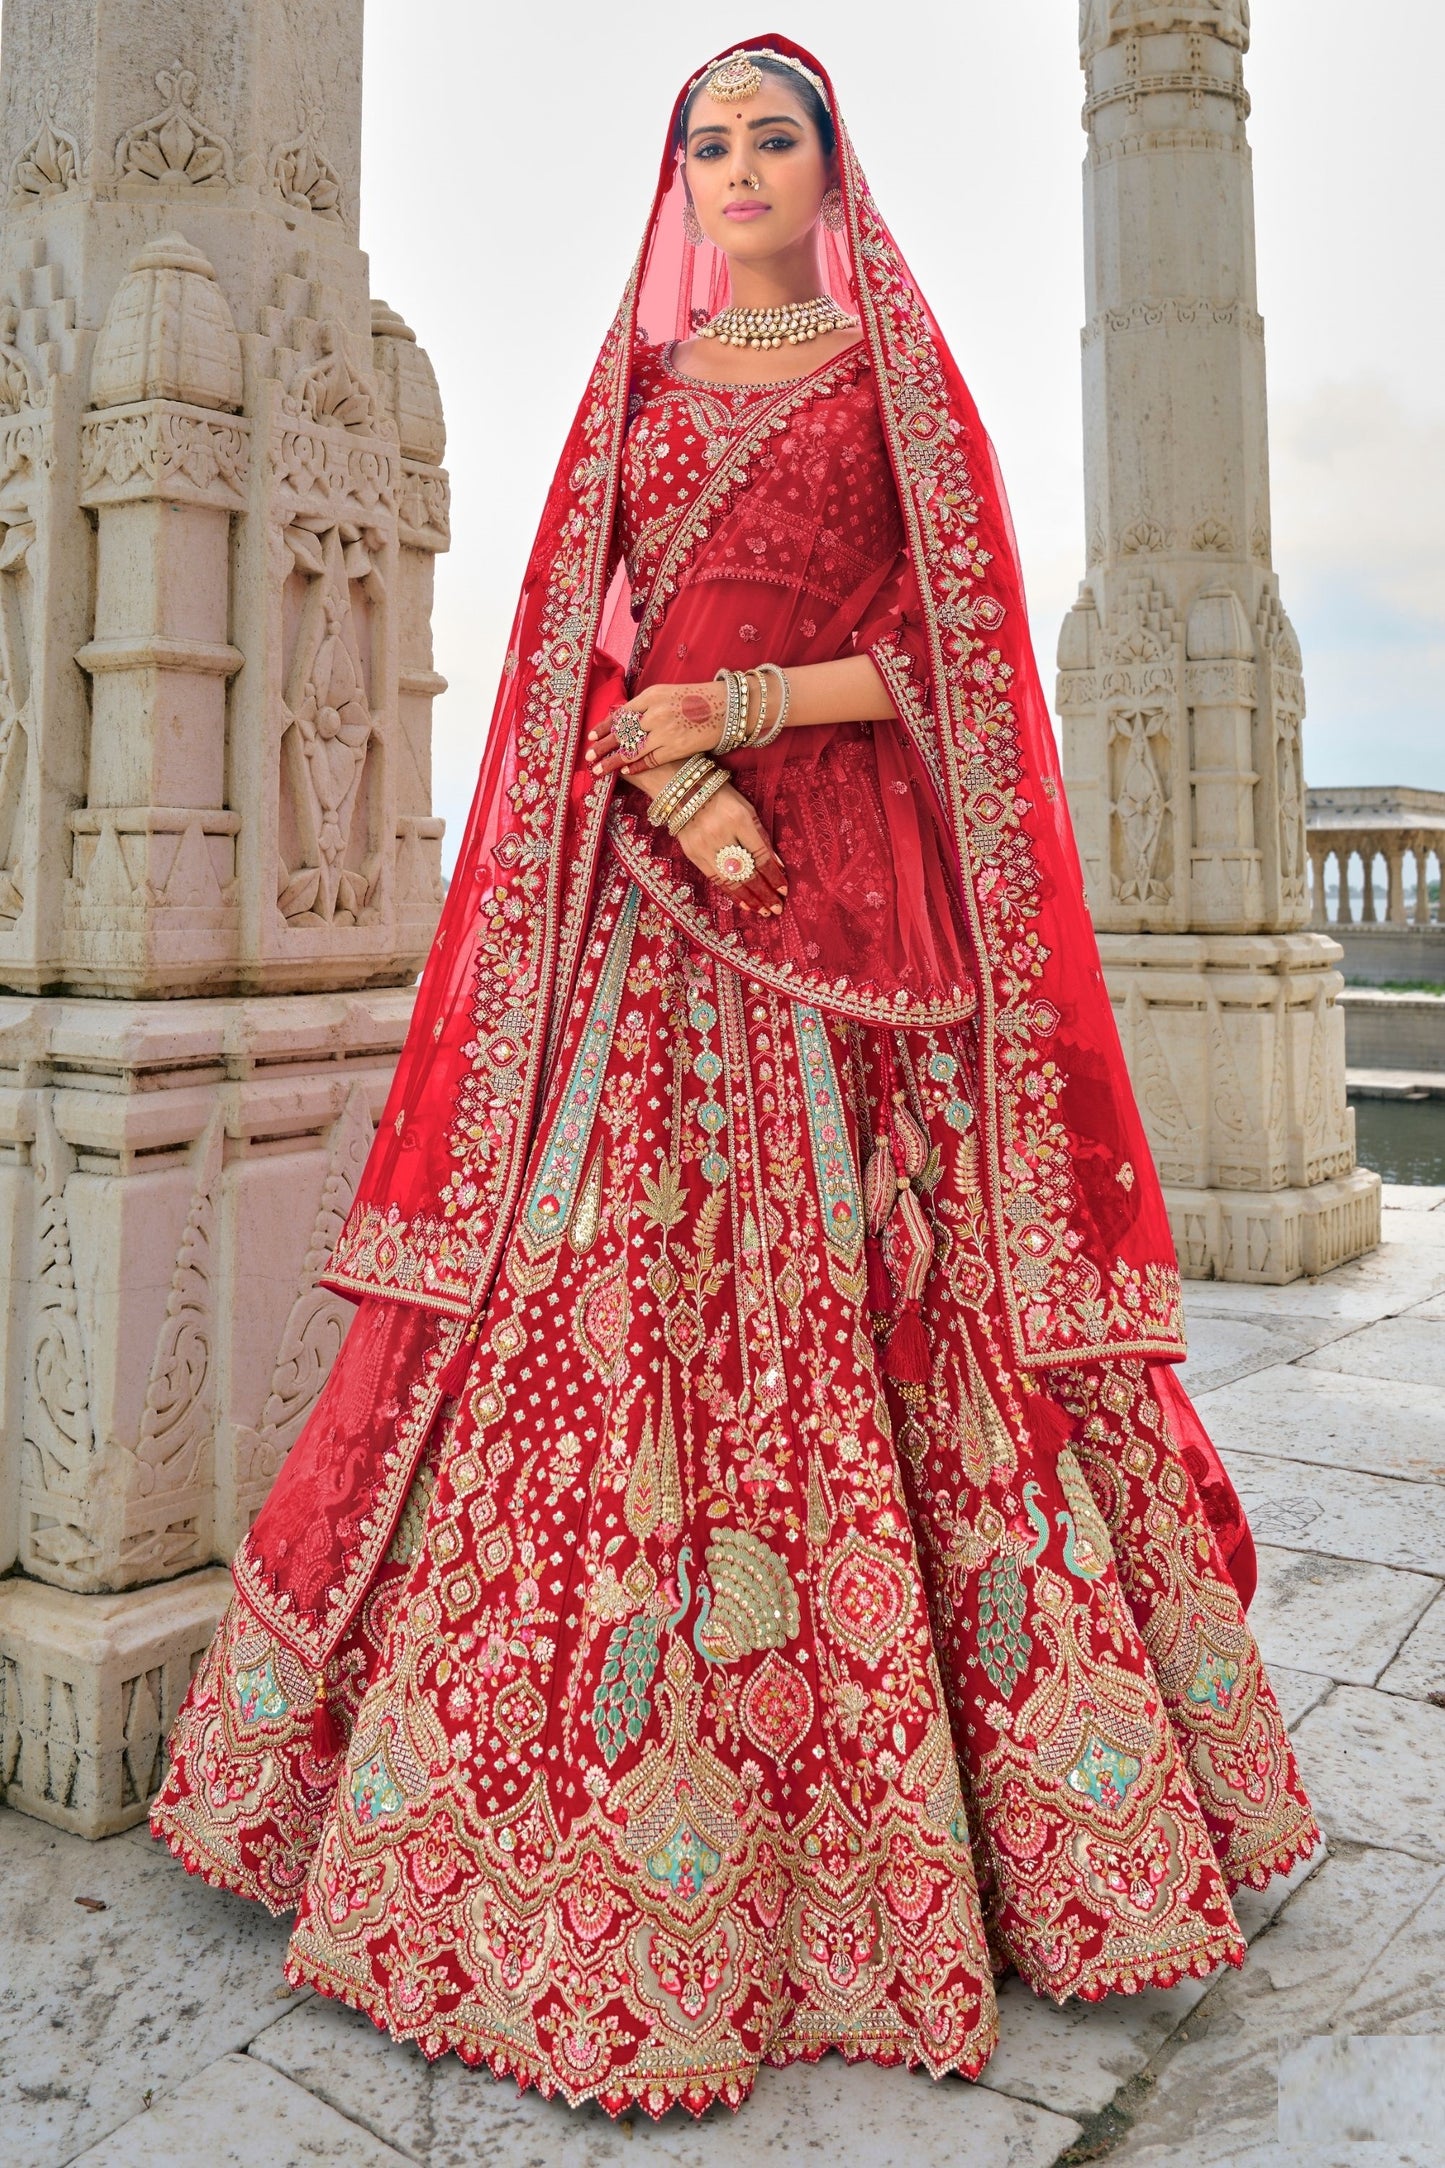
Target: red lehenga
(752,1573)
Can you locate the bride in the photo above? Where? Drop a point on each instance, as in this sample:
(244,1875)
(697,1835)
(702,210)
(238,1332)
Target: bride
(752,1575)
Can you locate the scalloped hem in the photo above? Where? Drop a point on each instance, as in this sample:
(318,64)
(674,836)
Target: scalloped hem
(1291,1854)
(210,1870)
(654,2096)
(1105,1977)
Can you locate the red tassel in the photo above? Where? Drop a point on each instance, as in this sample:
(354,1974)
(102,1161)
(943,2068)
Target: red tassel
(326,1737)
(880,1294)
(905,1358)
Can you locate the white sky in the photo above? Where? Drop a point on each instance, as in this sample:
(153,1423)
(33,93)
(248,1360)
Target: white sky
(507,168)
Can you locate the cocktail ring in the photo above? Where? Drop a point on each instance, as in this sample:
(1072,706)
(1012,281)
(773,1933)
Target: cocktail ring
(630,730)
(735,863)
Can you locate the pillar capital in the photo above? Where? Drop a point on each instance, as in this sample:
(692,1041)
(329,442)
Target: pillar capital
(1110,22)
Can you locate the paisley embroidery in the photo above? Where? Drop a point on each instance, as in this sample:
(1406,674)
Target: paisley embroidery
(600,1321)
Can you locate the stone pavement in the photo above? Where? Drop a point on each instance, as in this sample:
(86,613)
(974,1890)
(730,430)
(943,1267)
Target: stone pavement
(159,2029)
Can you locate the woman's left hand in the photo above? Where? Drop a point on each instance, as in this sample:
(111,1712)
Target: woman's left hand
(675,720)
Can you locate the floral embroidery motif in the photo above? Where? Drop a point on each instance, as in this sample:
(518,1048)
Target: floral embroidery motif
(774,1661)
(375,1793)
(833,1168)
(777,1708)
(553,1192)
(866,1598)
(259,1698)
(1103,1773)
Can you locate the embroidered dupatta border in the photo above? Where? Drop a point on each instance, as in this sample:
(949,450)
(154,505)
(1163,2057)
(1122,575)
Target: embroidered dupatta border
(841,997)
(314,1639)
(1141,1311)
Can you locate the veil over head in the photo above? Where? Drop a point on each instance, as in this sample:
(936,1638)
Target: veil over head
(1082,1245)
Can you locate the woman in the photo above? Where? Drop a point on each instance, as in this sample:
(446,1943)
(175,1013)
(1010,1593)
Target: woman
(751,1575)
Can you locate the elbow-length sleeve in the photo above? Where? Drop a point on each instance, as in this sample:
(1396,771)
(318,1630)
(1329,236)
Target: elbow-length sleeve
(892,632)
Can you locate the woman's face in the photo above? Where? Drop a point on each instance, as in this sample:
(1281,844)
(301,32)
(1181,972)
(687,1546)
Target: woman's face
(768,138)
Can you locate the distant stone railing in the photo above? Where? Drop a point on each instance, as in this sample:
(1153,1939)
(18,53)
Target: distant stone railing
(1405,828)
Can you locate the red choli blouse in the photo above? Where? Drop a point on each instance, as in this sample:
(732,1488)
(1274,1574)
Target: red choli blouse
(760,523)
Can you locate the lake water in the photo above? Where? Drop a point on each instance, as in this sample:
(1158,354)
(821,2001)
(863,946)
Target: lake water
(1402,1139)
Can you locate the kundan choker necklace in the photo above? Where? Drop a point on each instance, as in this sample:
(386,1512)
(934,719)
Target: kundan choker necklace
(793,323)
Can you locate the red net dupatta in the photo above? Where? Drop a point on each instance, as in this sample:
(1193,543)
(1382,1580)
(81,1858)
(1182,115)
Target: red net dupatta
(1084,1253)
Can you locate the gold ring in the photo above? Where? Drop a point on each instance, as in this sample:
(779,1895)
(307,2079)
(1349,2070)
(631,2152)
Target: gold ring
(630,730)
(735,863)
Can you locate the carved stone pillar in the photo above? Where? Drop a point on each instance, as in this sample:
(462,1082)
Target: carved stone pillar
(1179,673)
(220,502)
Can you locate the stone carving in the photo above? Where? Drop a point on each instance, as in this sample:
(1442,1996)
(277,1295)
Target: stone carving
(168,333)
(19,384)
(1143,538)
(37,335)
(152,858)
(159,452)
(330,388)
(60,1742)
(300,171)
(424,507)
(178,1421)
(1140,807)
(1105,22)
(174,148)
(12,1720)
(331,861)
(58,1434)
(317,1323)
(50,162)
(16,541)
(1173,1135)
(408,387)
(1212,534)
(319,466)
(1174,310)
(142,1736)
(1230,1110)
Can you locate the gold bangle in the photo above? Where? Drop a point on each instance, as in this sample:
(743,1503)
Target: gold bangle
(770,669)
(680,786)
(755,730)
(709,788)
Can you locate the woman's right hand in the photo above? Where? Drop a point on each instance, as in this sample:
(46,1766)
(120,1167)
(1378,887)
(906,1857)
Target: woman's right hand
(729,818)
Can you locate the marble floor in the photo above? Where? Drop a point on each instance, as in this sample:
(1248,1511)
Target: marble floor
(144,2019)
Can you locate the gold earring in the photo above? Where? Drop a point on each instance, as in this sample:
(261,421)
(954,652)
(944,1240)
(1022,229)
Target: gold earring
(690,226)
(831,213)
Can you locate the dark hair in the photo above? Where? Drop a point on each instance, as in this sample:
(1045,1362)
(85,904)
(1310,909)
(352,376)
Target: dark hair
(807,96)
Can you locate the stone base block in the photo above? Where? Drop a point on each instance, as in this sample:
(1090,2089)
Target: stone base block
(89,1688)
(1277,1236)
